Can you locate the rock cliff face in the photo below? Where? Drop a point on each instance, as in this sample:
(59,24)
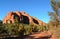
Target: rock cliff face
(22,18)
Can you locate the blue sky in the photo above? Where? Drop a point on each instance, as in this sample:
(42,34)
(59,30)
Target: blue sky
(35,8)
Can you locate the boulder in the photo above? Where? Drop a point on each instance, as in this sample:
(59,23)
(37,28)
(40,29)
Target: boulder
(22,18)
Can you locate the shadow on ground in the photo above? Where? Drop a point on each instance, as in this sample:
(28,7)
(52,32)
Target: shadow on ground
(41,35)
(29,37)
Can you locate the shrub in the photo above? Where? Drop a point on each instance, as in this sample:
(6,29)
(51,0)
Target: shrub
(21,29)
(28,29)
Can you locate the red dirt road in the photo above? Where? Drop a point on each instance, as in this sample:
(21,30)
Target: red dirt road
(41,35)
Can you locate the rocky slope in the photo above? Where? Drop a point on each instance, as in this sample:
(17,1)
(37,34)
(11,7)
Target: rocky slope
(22,18)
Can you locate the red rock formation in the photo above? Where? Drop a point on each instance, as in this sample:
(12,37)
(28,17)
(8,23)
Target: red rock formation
(22,17)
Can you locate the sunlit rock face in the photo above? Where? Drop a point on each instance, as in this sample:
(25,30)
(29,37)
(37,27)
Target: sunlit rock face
(22,18)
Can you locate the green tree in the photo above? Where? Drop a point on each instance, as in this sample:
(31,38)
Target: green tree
(55,16)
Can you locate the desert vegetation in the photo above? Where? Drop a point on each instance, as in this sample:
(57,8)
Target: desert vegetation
(54,23)
(20,29)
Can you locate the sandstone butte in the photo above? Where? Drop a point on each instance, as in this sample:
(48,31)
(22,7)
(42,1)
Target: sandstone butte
(22,17)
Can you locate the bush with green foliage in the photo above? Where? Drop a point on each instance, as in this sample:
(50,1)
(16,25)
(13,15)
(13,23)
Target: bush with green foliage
(20,28)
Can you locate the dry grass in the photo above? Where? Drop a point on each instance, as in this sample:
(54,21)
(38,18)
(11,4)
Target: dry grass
(56,31)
